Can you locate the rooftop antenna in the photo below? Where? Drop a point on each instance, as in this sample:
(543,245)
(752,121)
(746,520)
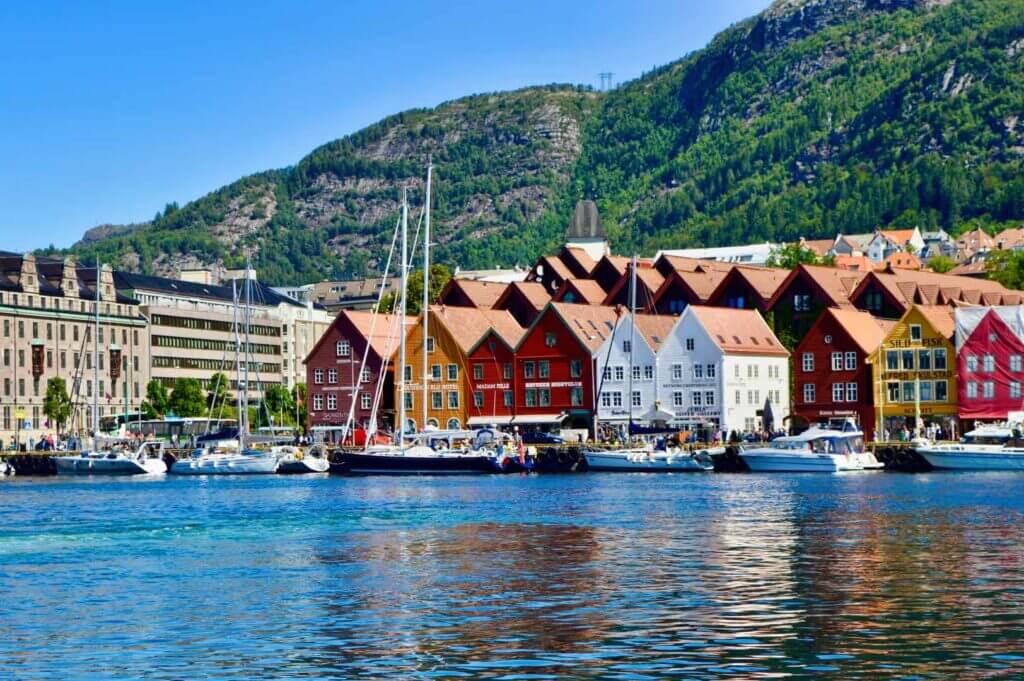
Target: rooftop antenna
(606,80)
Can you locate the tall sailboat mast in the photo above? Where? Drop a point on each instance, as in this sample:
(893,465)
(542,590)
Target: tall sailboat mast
(632,336)
(426,288)
(96,356)
(247,316)
(401,320)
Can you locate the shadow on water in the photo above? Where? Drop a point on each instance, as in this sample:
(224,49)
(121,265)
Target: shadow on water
(584,576)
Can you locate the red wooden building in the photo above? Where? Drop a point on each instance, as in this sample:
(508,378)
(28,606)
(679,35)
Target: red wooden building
(491,361)
(832,381)
(989,364)
(554,366)
(333,365)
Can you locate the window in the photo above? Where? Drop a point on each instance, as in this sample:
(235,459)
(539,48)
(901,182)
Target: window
(972,363)
(636,373)
(506,371)
(1015,389)
(531,397)
(332,375)
(926,391)
(892,360)
(408,400)
(616,399)
(318,402)
(478,399)
(915,332)
(892,391)
(677,372)
(606,375)
(942,391)
(7,357)
(698,371)
(677,399)
(939,355)
(808,361)
(453,399)
(907,360)
(576,396)
(837,361)
(851,392)
(364,376)
(736,370)
(648,372)
(545,397)
(343,348)
(988,390)
(908,391)
(710,371)
(972,390)
(739,397)
(332,402)
(620,373)
(507,398)
(544,368)
(709,398)
(696,399)
(1014,362)
(528,369)
(436,399)
(435,372)
(801,302)
(837,392)
(851,361)
(364,401)
(550,339)
(606,400)
(750,397)
(430,343)
(407,372)
(453,372)
(478,372)
(924,360)
(575,368)
(318,376)
(988,364)
(689,344)
(637,399)
(627,346)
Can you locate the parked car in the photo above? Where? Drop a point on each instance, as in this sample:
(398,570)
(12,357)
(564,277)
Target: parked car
(541,438)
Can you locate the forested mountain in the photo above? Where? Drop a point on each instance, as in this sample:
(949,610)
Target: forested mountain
(815,117)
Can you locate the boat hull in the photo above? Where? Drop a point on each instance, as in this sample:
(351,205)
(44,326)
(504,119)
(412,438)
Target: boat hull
(226,464)
(81,465)
(398,464)
(304,466)
(759,462)
(973,461)
(641,461)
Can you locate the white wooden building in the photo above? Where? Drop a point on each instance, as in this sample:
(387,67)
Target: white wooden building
(719,366)
(614,400)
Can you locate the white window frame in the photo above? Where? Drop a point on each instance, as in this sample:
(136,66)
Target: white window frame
(850,361)
(807,361)
(838,392)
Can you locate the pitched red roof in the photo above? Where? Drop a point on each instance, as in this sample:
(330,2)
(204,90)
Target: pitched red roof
(866,331)
(467,326)
(738,332)
(586,290)
(482,294)
(532,291)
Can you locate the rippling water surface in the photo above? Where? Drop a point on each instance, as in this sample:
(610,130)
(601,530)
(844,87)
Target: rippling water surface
(585,576)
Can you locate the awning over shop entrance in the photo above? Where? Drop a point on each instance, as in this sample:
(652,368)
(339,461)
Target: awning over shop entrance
(489,420)
(534,419)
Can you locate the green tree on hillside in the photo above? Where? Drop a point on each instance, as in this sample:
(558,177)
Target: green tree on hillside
(941,263)
(789,256)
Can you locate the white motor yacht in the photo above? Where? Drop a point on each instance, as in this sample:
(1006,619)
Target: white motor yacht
(650,459)
(291,459)
(226,460)
(987,448)
(123,458)
(6,468)
(813,451)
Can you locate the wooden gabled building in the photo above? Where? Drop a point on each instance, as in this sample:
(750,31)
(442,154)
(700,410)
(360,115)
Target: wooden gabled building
(747,287)
(524,299)
(586,291)
(804,294)
(471,293)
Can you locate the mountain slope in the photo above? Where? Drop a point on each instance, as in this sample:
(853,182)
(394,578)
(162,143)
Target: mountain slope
(814,117)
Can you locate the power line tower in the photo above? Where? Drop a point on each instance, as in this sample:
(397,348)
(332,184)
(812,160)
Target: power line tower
(606,80)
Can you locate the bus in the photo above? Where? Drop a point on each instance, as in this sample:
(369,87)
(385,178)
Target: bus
(166,429)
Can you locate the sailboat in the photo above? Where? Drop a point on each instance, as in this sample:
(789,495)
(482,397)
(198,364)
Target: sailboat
(645,457)
(233,457)
(123,457)
(427,452)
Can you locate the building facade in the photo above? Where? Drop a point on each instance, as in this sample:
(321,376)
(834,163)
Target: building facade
(627,368)
(989,364)
(48,314)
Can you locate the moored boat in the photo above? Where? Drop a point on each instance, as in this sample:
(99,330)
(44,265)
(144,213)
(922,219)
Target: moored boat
(813,451)
(986,448)
(649,459)
(226,461)
(123,458)
(293,460)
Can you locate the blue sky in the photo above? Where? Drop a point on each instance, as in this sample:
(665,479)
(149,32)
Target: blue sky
(109,110)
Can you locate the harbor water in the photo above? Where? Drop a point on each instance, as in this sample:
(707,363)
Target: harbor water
(504,577)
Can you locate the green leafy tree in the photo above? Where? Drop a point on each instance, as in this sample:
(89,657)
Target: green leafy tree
(299,403)
(791,255)
(1006,267)
(941,263)
(156,396)
(278,401)
(440,275)
(217,395)
(57,402)
(187,398)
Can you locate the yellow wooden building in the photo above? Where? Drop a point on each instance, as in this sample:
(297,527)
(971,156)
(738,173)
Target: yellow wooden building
(915,374)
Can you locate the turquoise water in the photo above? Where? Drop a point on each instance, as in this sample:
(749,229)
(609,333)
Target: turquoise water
(574,576)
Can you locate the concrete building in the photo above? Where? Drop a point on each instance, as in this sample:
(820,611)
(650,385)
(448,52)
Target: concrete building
(47,321)
(354,294)
(754,254)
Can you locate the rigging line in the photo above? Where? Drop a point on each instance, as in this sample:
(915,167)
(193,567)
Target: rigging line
(357,380)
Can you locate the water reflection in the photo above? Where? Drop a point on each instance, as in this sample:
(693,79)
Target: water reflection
(579,576)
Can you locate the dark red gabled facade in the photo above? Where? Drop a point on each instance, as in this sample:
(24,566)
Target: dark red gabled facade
(849,334)
(333,365)
(490,372)
(554,365)
(986,374)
